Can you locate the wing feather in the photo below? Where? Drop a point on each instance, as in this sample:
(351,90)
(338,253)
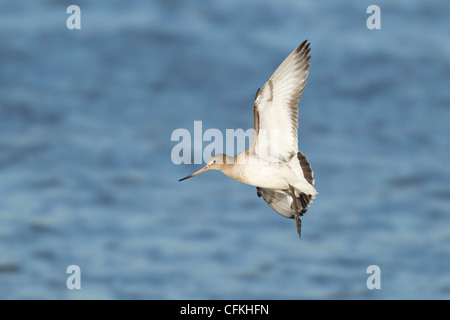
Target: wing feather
(276,108)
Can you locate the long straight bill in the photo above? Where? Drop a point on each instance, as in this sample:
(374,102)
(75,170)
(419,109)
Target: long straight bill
(195,173)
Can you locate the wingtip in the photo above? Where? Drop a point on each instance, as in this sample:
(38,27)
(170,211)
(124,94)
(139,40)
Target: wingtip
(257,93)
(302,45)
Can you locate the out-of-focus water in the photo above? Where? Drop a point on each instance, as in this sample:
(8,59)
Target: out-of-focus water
(86,177)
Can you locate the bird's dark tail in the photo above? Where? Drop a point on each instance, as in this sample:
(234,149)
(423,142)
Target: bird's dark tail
(303,200)
(306,168)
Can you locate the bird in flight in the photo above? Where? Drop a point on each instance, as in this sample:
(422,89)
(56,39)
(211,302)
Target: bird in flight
(273,164)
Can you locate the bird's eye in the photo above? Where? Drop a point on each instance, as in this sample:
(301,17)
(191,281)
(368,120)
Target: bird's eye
(214,161)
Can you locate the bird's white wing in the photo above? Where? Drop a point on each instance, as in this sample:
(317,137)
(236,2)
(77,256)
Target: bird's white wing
(276,108)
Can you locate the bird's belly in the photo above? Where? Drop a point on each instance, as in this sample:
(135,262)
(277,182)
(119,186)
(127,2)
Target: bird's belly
(266,176)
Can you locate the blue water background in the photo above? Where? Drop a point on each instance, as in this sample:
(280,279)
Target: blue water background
(86,176)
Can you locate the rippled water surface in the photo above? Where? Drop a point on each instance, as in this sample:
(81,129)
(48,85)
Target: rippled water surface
(86,177)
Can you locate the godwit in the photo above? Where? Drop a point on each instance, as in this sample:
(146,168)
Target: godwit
(272,163)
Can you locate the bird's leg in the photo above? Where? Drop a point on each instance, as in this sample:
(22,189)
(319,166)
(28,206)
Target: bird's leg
(296,214)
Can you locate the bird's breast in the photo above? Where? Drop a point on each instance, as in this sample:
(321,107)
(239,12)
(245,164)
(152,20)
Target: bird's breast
(263,175)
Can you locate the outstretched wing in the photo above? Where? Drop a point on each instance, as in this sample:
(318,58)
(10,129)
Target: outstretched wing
(276,108)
